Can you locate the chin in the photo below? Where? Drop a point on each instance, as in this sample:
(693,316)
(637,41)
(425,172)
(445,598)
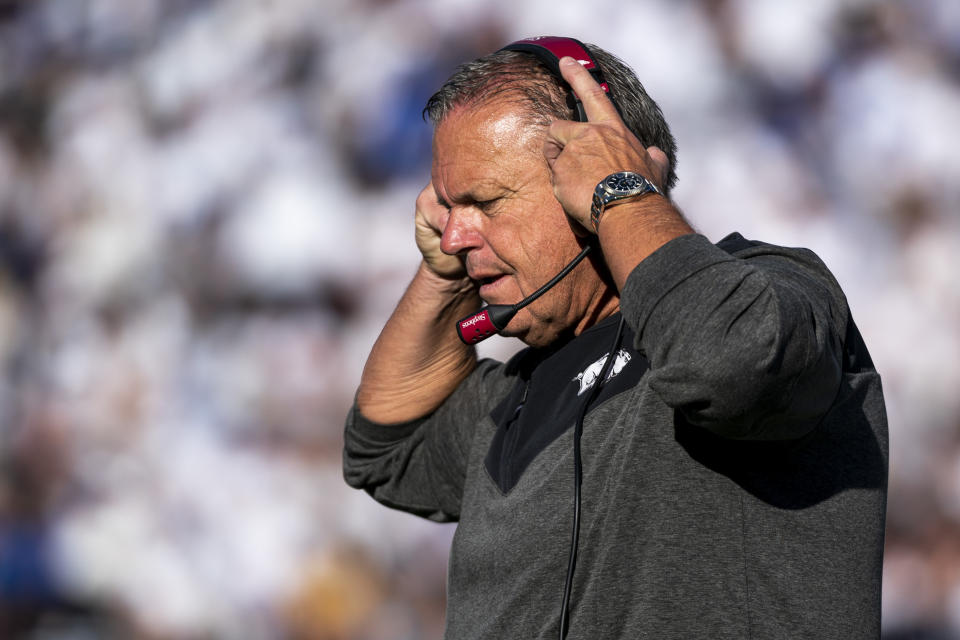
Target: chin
(520,329)
(533,334)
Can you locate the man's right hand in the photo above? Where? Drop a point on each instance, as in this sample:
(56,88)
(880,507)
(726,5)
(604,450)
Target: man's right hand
(418,360)
(431,218)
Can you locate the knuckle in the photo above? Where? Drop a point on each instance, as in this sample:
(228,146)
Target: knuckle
(596,93)
(555,133)
(594,134)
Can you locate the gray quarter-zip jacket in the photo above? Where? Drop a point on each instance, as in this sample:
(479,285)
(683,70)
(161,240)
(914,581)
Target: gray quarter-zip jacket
(734,467)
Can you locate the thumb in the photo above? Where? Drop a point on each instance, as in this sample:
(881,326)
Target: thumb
(551,151)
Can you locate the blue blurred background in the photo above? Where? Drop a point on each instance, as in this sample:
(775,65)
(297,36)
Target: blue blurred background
(206,216)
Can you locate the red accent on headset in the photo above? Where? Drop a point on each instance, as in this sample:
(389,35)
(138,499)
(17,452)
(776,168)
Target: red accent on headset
(476,327)
(558,47)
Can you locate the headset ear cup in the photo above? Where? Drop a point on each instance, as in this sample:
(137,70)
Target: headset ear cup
(576,107)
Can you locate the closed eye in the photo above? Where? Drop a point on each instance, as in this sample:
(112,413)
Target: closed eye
(487,206)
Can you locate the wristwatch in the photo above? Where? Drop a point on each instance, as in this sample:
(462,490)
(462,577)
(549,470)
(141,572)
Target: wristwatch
(623,186)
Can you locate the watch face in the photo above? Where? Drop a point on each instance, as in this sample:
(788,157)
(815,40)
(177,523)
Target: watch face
(624,182)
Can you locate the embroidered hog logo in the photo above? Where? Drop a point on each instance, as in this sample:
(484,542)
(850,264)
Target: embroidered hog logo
(589,376)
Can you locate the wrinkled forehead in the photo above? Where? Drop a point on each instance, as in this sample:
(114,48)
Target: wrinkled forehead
(492,144)
(500,126)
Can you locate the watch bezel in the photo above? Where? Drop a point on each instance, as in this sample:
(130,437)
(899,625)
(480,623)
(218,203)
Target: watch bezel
(639,183)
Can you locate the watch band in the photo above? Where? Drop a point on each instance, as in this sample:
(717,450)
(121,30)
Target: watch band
(616,188)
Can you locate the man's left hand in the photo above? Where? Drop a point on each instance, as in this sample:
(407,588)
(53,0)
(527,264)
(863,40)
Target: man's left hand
(581,154)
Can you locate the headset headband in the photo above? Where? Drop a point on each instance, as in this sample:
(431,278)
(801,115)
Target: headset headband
(549,50)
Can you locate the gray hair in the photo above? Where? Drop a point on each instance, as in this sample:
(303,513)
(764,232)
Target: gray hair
(514,75)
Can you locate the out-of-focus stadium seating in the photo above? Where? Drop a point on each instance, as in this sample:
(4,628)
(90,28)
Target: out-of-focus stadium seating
(206,216)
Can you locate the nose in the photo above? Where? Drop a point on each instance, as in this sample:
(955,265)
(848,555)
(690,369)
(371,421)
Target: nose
(462,231)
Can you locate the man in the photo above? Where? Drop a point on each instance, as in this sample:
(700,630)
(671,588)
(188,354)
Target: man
(734,451)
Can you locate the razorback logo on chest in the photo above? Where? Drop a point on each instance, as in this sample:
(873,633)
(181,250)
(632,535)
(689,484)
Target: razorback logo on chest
(588,377)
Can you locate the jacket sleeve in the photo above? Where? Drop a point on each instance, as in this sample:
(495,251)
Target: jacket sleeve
(745,342)
(420,466)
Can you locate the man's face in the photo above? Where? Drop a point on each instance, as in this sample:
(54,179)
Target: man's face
(504,221)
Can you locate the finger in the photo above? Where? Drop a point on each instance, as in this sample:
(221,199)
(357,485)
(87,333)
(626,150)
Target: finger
(426,195)
(551,151)
(429,208)
(661,162)
(594,99)
(561,132)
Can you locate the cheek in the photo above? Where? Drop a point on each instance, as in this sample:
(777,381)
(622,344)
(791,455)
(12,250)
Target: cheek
(557,244)
(541,262)
(537,239)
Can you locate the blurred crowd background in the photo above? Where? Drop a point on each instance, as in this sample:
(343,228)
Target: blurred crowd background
(206,216)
